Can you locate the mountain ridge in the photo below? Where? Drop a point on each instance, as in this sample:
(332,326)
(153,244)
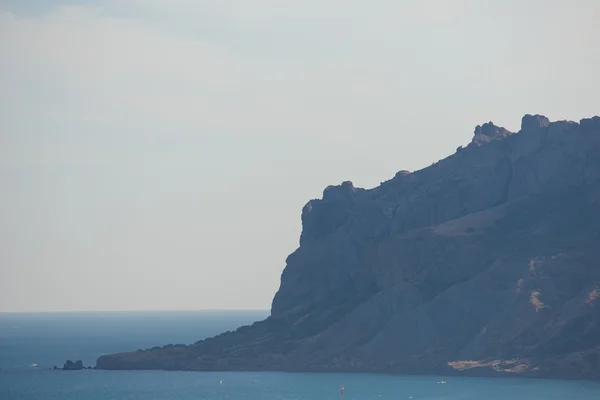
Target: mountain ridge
(481,264)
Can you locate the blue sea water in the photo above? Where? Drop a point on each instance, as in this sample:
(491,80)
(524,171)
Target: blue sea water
(50,339)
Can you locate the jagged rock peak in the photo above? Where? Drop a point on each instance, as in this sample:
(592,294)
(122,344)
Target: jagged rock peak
(340,192)
(487,132)
(588,124)
(402,173)
(532,122)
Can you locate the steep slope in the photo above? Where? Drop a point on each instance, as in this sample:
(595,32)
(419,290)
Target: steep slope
(484,263)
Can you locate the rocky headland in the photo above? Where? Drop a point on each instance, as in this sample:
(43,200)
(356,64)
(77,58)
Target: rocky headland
(486,263)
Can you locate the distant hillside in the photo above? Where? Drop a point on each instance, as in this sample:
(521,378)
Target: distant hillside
(485,263)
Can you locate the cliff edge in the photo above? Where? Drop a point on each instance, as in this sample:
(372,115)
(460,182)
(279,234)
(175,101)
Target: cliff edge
(485,263)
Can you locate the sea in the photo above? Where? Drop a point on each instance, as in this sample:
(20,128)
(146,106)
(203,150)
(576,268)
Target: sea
(32,343)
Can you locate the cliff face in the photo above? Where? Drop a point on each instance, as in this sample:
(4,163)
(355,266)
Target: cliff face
(485,263)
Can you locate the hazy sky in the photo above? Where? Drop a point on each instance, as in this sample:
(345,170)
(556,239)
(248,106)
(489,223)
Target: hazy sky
(156,154)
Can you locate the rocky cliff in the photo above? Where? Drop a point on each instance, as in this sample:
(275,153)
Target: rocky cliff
(485,263)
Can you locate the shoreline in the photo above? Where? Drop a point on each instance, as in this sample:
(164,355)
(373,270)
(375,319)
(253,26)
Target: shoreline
(480,373)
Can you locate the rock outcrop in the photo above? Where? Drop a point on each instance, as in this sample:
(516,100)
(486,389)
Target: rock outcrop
(485,263)
(73,366)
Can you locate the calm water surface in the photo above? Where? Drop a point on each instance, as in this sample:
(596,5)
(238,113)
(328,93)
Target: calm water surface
(49,339)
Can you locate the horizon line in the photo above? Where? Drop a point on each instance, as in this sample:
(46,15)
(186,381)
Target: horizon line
(134,310)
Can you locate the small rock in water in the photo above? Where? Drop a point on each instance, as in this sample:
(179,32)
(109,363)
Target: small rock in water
(73,366)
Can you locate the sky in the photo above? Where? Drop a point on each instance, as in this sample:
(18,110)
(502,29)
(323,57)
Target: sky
(156,154)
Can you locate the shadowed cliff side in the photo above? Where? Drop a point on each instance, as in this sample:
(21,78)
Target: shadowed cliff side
(485,263)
